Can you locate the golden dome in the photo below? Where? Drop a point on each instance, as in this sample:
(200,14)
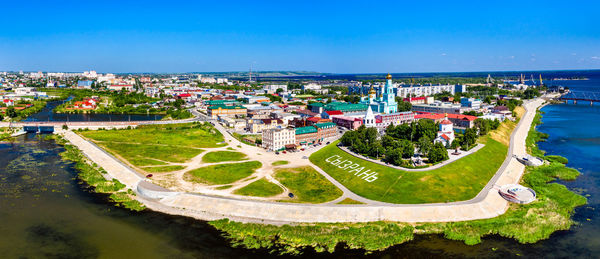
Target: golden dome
(388,76)
(372,91)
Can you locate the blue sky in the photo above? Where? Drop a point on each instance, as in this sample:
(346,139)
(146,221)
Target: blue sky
(323,36)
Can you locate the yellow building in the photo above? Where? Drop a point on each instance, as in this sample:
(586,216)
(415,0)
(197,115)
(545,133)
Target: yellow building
(224,110)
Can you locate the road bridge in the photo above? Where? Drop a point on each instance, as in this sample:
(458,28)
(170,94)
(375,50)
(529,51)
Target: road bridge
(580,96)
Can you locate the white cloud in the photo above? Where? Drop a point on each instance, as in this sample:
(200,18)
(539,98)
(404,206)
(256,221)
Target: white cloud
(595,57)
(443,54)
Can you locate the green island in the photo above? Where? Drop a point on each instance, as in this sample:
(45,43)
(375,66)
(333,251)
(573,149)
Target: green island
(223,156)
(307,185)
(260,188)
(527,223)
(223,173)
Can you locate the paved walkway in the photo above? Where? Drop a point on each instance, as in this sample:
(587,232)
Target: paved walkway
(486,204)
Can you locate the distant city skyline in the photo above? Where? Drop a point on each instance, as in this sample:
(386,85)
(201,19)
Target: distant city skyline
(333,37)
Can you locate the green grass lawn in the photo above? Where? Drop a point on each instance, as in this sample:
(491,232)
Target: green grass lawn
(222,174)
(307,185)
(280,162)
(349,201)
(138,154)
(163,169)
(181,135)
(222,156)
(457,181)
(260,188)
(460,180)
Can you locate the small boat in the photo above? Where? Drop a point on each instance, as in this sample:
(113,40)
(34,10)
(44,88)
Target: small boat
(517,193)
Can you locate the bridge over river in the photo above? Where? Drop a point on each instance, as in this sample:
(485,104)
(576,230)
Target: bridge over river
(576,96)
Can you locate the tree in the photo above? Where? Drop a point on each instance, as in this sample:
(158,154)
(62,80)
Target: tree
(370,135)
(426,128)
(488,99)
(10,112)
(531,93)
(424,144)
(279,90)
(394,156)
(473,113)
(407,147)
(403,106)
(469,137)
(437,153)
(483,126)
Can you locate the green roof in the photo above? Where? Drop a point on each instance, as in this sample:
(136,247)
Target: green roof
(325,125)
(345,107)
(218,102)
(317,104)
(226,107)
(306,130)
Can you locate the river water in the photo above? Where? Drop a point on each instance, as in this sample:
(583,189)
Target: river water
(45,212)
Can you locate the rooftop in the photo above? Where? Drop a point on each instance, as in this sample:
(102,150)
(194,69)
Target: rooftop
(306,130)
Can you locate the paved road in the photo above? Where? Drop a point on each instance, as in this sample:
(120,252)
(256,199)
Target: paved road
(486,204)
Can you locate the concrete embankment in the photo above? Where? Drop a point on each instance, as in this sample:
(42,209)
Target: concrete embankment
(487,204)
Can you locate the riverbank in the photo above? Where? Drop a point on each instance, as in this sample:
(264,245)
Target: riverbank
(95,177)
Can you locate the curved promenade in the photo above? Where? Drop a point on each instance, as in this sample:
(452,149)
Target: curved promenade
(486,204)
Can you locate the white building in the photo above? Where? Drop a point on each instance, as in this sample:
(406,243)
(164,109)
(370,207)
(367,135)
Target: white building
(208,80)
(311,86)
(446,133)
(222,80)
(273,88)
(90,74)
(369,120)
(276,139)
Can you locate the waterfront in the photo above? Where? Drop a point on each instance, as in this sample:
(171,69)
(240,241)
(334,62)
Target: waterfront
(45,222)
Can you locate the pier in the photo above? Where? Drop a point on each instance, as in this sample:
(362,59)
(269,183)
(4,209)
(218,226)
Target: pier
(580,96)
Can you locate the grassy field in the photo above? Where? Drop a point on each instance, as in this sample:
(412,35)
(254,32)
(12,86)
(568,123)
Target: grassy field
(222,174)
(349,201)
(163,169)
(222,156)
(307,185)
(457,181)
(280,162)
(150,145)
(144,155)
(181,135)
(260,188)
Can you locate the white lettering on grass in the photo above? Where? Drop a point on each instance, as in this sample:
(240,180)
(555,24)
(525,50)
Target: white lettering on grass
(352,168)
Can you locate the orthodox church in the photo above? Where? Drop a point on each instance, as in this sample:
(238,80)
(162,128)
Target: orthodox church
(385,102)
(446,133)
